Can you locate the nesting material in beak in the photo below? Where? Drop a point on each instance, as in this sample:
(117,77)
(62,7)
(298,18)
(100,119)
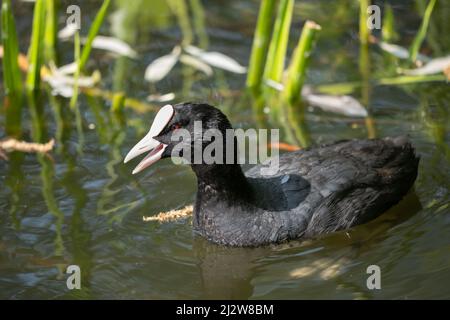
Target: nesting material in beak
(148,144)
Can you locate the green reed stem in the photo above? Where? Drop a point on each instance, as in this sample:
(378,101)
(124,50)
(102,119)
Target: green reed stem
(50,31)
(93,31)
(260,44)
(299,62)
(388,31)
(295,80)
(118,103)
(118,106)
(180,9)
(74,99)
(349,87)
(364,31)
(365,63)
(296,120)
(11,72)
(421,34)
(278,45)
(80,133)
(35,50)
(56,107)
(48,193)
(198,17)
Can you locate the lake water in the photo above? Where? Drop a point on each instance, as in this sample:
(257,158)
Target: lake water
(85,208)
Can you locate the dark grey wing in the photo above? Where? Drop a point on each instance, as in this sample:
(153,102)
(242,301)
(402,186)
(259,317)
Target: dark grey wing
(351,182)
(280,193)
(375,175)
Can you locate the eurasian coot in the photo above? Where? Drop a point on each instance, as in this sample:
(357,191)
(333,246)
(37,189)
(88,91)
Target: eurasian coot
(316,190)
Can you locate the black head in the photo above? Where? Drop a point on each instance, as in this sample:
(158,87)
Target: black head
(178,128)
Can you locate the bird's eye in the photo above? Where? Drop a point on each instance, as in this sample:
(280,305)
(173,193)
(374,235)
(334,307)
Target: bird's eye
(175,126)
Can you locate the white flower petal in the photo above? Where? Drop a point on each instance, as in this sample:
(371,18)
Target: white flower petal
(68,69)
(68,31)
(399,51)
(62,84)
(196,64)
(161,98)
(114,45)
(160,67)
(346,105)
(216,59)
(434,66)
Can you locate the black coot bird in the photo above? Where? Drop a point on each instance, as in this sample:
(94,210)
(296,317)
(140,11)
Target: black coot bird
(316,191)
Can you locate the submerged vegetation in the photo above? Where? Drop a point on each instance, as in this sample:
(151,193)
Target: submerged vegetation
(12,77)
(267,76)
(280,91)
(292,79)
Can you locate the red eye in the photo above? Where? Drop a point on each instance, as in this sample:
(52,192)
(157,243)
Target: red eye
(176,126)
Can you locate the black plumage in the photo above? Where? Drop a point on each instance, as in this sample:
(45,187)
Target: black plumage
(316,191)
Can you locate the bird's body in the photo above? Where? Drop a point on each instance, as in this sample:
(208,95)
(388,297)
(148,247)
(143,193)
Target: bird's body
(315,191)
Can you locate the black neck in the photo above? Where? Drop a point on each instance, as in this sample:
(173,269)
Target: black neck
(223,181)
(226,181)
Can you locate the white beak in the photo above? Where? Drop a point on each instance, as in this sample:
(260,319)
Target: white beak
(147,143)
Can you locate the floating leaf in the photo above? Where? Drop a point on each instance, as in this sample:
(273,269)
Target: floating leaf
(67,69)
(59,89)
(161,98)
(114,45)
(346,105)
(62,83)
(274,84)
(68,31)
(399,51)
(434,66)
(196,64)
(341,104)
(161,67)
(216,59)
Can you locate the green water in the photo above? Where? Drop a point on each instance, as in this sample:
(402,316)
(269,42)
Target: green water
(86,208)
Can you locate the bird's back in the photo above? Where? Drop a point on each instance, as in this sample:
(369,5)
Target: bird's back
(350,182)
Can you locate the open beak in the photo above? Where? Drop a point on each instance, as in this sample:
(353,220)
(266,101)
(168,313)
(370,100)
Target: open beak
(148,144)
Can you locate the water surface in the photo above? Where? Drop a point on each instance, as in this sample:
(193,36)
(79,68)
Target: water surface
(86,208)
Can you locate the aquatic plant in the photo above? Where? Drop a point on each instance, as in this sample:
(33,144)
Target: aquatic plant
(35,51)
(276,55)
(388,30)
(260,45)
(266,66)
(299,62)
(267,71)
(50,36)
(421,34)
(93,31)
(11,73)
